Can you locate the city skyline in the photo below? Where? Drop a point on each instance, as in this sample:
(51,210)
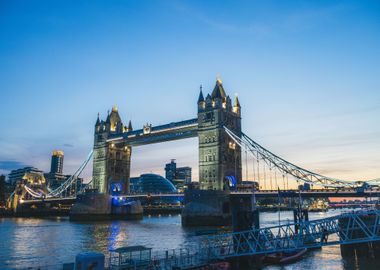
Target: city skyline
(309,92)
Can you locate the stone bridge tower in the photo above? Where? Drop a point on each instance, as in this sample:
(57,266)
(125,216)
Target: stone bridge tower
(111,161)
(219,155)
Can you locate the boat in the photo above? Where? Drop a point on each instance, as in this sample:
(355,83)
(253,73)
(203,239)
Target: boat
(131,258)
(284,257)
(222,265)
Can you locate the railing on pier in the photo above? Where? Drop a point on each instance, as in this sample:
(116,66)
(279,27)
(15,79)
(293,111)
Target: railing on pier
(348,228)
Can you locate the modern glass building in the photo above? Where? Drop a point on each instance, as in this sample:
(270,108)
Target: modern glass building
(57,162)
(180,176)
(154,183)
(151,183)
(17,175)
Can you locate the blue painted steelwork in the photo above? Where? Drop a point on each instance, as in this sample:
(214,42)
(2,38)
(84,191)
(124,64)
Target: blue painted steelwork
(120,200)
(116,188)
(231,181)
(347,228)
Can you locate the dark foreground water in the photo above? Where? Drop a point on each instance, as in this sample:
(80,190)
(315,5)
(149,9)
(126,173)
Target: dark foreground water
(51,242)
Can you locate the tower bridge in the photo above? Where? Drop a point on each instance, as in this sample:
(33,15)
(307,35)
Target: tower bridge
(221,145)
(219,156)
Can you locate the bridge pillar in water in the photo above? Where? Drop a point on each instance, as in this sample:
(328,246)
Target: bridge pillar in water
(219,159)
(359,251)
(206,208)
(245,217)
(95,206)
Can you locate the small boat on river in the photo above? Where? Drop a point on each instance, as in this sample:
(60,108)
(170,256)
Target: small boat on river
(284,257)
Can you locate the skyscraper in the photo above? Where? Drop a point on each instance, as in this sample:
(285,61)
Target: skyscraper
(57,162)
(170,170)
(178,176)
(55,177)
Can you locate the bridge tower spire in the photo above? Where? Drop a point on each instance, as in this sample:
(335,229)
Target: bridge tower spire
(111,163)
(201,100)
(219,156)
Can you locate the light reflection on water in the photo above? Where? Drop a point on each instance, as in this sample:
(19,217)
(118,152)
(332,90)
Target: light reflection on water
(42,242)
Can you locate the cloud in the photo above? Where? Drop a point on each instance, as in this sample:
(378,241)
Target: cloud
(291,21)
(68,145)
(8,165)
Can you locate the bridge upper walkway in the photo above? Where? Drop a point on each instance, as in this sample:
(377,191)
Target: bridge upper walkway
(163,133)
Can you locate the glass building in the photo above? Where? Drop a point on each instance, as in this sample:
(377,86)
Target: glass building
(151,183)
(17,175)
(57,162)
(179,176)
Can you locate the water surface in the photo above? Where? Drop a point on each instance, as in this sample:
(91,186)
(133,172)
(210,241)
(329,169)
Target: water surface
(51,242)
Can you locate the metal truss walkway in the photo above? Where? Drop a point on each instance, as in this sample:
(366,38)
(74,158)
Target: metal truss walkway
(348,228)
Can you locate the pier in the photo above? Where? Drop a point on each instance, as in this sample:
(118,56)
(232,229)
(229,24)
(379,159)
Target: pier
(353,231)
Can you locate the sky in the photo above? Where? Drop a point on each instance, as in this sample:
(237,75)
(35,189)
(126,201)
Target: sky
(307,75)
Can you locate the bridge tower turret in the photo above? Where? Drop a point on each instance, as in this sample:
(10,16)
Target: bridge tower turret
(111,161)
(219,156)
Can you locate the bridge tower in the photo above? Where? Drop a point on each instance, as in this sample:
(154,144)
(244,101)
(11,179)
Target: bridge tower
(219,155)
(111,161)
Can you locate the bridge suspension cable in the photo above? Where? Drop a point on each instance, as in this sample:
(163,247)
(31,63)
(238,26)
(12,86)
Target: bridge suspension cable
(59,190)
(287,168)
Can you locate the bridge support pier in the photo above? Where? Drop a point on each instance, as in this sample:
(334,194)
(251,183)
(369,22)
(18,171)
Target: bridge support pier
(206,208)
(95,206)
(245,217)
(368,250)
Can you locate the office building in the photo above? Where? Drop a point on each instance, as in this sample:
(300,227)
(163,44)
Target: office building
(17,175)
(180,176)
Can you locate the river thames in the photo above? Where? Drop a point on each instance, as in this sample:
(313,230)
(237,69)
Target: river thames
(48,243)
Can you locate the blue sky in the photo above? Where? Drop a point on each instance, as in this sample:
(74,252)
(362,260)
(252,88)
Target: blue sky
(307,74)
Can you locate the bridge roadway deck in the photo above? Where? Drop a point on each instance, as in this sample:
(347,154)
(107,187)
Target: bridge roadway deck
(275,193)
(258,194)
